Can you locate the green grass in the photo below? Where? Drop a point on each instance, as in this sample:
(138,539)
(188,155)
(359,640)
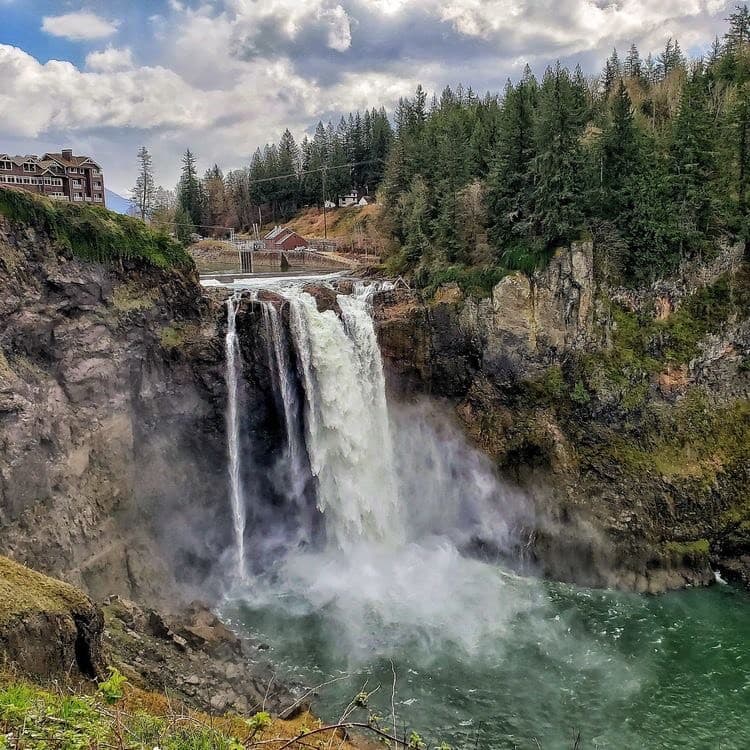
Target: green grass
(36,719)
(93,233)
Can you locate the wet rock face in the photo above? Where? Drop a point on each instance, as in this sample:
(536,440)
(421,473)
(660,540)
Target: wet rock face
(111,421)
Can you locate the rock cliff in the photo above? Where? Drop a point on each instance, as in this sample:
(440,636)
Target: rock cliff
(623,413)
(111,418)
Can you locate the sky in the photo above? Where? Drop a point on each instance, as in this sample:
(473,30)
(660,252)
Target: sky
(223,77)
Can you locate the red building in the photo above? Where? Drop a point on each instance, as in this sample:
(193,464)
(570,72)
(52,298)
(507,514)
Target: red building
(63,176)
(281,238)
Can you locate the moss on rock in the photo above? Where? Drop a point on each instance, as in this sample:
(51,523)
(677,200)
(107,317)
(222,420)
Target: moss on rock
(48,628)
(92,232)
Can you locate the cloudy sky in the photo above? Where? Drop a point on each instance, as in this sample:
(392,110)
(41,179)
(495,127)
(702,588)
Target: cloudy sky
(225,76)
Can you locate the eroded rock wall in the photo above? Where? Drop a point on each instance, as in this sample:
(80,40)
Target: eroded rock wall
(111,421)
(624,414)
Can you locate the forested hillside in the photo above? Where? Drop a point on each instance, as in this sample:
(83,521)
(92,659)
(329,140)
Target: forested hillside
(651,158)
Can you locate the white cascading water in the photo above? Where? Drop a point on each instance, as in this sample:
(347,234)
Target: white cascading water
(233,374)
(348,435)
(281,370)
(400,494)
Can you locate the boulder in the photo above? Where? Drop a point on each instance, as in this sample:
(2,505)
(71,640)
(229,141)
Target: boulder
(48,629)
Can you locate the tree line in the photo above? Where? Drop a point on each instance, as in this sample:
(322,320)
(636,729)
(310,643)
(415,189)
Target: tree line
(280,179)
(651,158)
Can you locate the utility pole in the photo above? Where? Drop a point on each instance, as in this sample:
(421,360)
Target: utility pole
(325,215)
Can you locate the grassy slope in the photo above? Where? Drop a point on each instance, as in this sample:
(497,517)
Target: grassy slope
(342,222)
(119,716)
(92,232)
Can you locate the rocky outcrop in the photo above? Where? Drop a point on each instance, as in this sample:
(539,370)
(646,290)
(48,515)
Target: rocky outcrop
(48,629)
(195,658)
(624,416)
(111,420)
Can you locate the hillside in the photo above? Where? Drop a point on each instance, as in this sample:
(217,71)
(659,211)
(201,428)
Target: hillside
(345,225)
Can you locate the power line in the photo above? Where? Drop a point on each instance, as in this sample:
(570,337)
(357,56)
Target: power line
(313,171)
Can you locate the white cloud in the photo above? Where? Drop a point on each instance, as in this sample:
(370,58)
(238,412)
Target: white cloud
(79,26)
(290,18)
(110,60)
(339,30)
(230,75)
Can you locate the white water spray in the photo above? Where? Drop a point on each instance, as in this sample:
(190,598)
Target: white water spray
(233,373)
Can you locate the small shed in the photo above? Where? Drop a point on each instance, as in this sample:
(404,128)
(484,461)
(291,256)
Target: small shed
(283,238)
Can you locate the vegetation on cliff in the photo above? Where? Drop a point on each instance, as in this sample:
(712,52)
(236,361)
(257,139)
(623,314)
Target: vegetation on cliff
(652,160)
(91,232)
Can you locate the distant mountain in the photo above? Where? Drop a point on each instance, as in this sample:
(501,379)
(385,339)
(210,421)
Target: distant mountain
(118,204)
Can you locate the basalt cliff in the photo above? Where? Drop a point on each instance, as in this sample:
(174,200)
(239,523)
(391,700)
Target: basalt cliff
(623,413)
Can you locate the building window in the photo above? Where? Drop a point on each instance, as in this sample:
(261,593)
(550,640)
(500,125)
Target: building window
(78,197)
(5,165)
(97,184)
(29,167)
(98,198)
(73,170)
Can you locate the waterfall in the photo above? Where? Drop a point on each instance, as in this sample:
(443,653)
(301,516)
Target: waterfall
(347,428)
(295,457)
(233,374)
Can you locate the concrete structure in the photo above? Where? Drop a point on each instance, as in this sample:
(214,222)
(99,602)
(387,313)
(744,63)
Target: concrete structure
(63,176)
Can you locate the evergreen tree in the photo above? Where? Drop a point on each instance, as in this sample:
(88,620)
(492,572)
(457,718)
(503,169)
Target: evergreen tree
(188,191)
(738,34)
(693,161)
(511,181)
(633,67)
(144,188)
(619,157)
(558,213)
(612,72)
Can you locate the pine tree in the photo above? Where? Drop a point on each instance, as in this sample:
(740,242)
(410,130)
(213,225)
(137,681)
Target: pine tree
(738,34)
(558,188)
(143,190)
(189,194)
(693,161)
(633,67)
(612,71)
(511,181)
(619,153)
(671,59)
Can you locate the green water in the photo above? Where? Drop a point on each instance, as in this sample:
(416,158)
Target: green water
(623,670)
